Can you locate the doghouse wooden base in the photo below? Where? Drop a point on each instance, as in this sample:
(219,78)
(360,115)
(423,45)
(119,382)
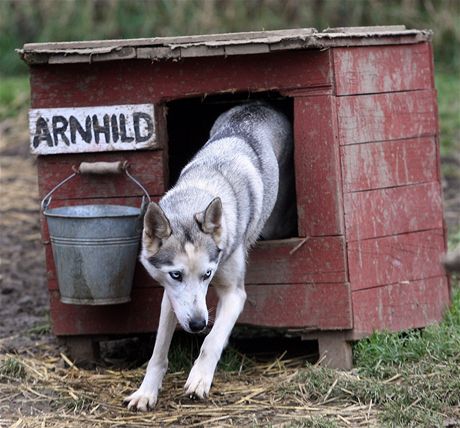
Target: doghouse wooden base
(82,349)
(335,350)
(368,191)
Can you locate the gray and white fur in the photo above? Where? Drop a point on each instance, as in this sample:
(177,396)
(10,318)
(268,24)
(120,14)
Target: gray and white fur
(237,188)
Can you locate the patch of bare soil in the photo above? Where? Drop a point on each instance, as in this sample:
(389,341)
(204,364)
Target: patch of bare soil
(23,293)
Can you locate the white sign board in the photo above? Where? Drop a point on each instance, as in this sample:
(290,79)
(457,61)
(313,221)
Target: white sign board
(92,129)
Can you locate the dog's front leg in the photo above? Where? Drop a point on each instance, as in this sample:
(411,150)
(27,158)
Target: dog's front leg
(200,377)
(146,396)
(231,302)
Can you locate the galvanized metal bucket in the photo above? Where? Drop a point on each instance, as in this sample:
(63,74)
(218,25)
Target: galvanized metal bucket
(95,246)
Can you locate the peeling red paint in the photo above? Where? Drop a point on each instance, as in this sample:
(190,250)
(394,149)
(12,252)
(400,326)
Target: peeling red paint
(367,183)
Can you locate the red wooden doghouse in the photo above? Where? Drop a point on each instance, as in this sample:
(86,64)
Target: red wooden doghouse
(369,200)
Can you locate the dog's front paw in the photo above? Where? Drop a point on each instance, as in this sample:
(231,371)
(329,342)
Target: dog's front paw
(199,382)
(141,400)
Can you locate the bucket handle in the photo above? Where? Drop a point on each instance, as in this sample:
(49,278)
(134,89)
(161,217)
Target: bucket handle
(99,168)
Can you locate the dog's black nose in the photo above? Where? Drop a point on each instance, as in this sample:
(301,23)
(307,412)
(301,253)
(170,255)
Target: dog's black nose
(196,325)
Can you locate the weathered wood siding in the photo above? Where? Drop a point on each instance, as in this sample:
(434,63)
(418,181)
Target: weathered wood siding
(389,116)
(400,306)
(263,307)
(395,210)
(317,164)
(373,70)
(395,259)
(147,167)
(392,195)
(392,163)
(367,182)
(144,81)
(302,277)
(318,260)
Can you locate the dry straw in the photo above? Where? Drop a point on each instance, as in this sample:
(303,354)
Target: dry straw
(50,391)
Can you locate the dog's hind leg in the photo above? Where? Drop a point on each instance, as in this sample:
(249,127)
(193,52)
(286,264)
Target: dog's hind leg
(146,396)
(231,302)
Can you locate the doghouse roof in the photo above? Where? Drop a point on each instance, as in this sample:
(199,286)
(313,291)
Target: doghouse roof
(217,44)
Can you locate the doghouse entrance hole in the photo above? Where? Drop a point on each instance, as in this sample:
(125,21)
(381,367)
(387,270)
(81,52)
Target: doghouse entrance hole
(190,121)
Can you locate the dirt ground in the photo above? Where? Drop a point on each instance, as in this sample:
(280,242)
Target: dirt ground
(24,323)
(23,297)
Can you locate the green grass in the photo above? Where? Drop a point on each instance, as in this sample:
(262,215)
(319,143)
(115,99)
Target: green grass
(40,329)
(448,86)
(186,347)
(14,95)
(454,239)
(11,367)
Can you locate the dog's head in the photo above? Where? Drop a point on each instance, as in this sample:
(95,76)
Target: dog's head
(183,257)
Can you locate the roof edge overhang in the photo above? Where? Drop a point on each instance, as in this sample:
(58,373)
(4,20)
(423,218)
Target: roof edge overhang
(225,44)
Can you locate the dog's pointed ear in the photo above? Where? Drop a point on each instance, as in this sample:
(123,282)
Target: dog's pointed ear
(156,227)
(210,220)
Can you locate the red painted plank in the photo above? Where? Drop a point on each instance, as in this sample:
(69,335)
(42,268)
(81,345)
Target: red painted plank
(366,118)
(318,260)
(323,306)
(384,212)
(318,306)
(50,267)
(401,306)
(388,164)
(317,165)
(139,81)
(139,315)
(399,258)
(373,69)
(145,166)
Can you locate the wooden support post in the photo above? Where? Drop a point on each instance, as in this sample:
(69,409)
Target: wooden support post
(335,350)
(82,349)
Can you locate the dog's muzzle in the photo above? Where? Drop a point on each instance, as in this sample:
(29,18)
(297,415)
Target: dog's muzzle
(197,325)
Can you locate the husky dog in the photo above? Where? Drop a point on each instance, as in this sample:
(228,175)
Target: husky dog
(202,228)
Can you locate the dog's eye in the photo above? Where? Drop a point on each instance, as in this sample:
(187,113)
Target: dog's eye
(176,275)
(207,274)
